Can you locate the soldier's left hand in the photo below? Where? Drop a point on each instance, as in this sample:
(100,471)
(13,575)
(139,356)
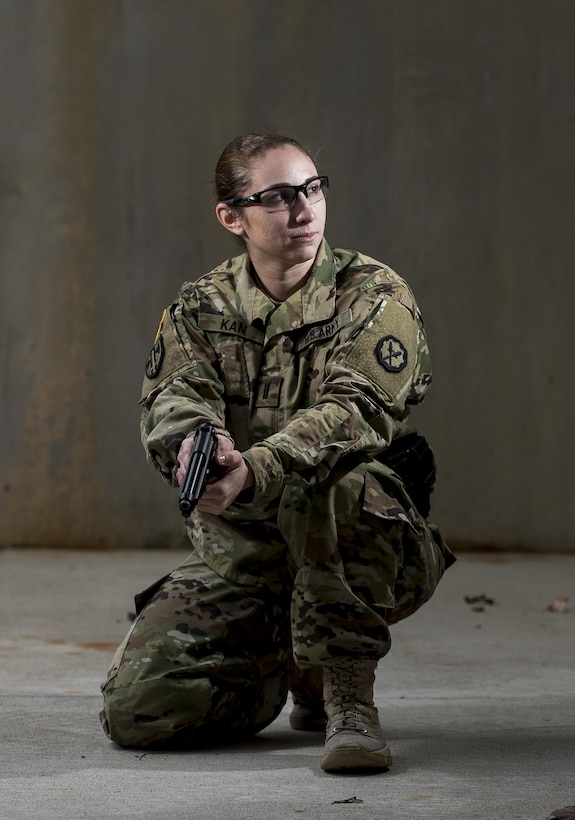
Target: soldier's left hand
(232,477)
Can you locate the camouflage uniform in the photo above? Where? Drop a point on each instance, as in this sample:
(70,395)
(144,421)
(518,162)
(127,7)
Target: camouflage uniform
(329,549)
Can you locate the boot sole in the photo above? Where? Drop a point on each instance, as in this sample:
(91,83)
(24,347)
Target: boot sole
(354,756)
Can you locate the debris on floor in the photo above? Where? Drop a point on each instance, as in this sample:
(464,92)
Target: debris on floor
(350,800)
(478,602)
(559,604)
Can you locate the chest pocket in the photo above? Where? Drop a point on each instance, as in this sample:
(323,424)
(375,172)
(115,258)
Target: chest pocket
(234,369)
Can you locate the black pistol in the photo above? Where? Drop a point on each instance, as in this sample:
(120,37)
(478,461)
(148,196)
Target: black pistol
(203,454)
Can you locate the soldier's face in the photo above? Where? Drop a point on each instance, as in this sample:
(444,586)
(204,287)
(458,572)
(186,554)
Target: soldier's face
(286,237)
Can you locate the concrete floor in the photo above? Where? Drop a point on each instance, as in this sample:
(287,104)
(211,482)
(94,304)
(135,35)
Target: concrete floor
(477,701)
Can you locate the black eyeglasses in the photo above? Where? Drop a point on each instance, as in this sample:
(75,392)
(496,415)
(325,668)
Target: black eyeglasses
(283,197)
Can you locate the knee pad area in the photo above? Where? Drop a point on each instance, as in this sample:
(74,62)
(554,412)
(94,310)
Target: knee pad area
(177,713)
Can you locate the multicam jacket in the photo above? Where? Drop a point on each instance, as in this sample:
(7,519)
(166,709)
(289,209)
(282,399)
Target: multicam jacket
(329,372)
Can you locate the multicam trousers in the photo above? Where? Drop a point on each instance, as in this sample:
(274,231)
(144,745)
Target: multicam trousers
(258,607)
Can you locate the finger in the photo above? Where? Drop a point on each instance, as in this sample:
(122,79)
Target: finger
(231,459)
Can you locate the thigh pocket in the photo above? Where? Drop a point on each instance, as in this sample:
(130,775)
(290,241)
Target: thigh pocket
(373,553)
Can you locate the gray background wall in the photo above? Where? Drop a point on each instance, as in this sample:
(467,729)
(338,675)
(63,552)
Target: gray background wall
(448,130)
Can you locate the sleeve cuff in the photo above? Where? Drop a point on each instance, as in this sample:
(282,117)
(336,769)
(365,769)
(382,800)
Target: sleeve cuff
(269,476)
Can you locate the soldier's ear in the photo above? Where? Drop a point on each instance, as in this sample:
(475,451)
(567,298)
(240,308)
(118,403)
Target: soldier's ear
(230,218)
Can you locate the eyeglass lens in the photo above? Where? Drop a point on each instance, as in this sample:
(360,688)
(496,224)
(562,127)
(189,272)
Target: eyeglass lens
(285,196)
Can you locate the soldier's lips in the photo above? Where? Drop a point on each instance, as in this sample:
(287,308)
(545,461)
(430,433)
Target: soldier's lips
(305,237)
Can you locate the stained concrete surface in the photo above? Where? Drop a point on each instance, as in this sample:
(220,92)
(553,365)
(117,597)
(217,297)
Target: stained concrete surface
(477,701)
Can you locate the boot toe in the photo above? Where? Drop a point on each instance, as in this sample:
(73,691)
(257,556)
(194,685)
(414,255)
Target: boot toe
(351,750)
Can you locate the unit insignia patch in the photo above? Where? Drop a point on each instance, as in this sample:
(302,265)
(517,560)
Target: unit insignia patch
(391,354)
(155,359)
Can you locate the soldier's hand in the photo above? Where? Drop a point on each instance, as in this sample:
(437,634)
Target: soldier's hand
(233,476)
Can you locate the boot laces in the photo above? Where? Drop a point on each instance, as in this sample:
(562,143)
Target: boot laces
(350,714)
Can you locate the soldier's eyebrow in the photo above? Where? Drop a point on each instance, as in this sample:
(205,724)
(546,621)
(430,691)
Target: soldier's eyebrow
(287,184)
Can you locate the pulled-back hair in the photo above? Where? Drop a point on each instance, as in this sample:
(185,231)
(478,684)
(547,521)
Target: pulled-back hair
(233,167)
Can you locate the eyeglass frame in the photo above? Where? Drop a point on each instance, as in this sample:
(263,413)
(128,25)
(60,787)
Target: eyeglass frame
(255,199)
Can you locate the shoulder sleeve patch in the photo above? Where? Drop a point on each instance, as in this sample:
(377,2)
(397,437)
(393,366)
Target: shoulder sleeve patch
(386,350)
(167,356)
(155,358)
(391,353)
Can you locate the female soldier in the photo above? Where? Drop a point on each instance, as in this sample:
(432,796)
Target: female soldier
(313,538)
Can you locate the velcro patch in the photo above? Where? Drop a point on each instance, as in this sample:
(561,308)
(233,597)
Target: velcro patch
(386,350)
(166,358)
(269,391)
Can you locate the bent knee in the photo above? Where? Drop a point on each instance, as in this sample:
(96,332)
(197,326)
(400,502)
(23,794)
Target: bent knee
(152,712)
(177,713)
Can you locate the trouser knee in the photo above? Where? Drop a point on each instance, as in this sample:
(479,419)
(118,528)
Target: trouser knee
(207,659)
(366,559)
(172,713)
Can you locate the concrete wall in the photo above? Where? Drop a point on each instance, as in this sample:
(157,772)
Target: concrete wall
(448,131)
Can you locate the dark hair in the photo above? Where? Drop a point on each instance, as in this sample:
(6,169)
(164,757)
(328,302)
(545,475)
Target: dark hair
(233,167)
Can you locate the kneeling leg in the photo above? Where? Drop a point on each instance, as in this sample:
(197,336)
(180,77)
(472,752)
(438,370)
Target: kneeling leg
(207,660)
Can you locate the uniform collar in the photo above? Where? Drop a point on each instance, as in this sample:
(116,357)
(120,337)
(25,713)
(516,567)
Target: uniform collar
(314,302)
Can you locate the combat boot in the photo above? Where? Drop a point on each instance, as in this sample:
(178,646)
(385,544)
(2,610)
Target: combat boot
(353,734)
(308,713)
